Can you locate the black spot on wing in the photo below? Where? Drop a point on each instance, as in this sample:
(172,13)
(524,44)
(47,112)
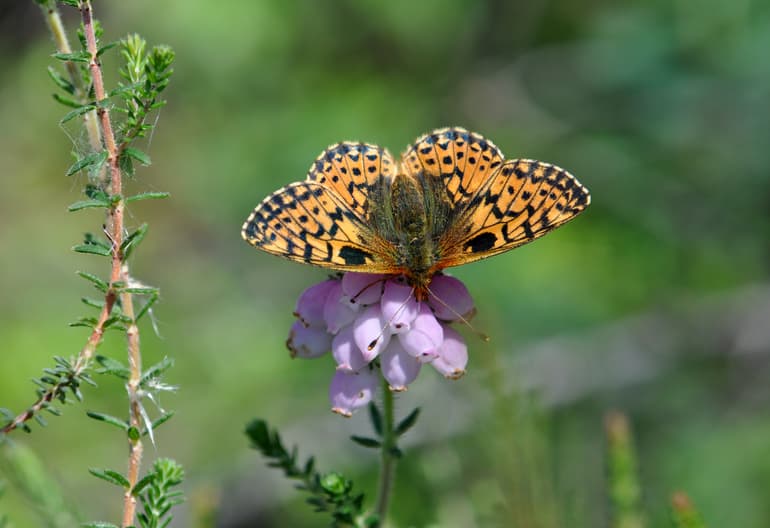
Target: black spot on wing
(354,256)
(482,242)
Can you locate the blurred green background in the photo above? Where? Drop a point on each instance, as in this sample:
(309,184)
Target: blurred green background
(655,302)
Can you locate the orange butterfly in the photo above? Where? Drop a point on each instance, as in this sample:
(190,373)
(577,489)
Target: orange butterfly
(452,199)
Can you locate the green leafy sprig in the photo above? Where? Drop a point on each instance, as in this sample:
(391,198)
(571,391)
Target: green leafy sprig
(123,300)
(332,492)
(329,492)
(155,491)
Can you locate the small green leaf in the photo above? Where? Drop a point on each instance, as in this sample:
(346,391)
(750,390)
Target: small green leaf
(143,482)
(79,111)
(72,3)
(92,249)
(376,418)
(114,322)
(87,204)
(93,303)
(138,155)
(110,476)
(96,281)
(366,442)
(95,159)
(126,165)
(160,421)
(106,47)
(96,524)
(156,370)
(94,192)
(78,56)
(133,240)
(258,432)
(89,238)
(152,300)
(141,291)
(406,424)
(147,196)
(112,366)
(103,103)
(309,467)
(124,88)
(117,422)
(134,434)
(88,322)
(60,81)
(86,378)
(66,101)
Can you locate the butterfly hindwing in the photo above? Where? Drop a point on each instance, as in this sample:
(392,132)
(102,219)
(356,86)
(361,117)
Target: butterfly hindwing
(308,222)
(522,201)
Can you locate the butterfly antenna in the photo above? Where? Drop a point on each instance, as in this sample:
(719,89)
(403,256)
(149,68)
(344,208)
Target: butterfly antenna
(484,337)
(356,296)
(387,324)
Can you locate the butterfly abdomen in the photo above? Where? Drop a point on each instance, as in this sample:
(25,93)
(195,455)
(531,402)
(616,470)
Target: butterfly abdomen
(410,232)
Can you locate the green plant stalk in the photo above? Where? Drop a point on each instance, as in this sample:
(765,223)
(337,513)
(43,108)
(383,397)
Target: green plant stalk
(119,267)
(388,461)
(135,447)
(624,488)
(114,218)
(55,25)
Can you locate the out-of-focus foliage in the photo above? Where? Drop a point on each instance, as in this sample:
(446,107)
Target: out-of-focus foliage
(655,301)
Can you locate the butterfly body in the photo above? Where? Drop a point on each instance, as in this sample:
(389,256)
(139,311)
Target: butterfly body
(452,199)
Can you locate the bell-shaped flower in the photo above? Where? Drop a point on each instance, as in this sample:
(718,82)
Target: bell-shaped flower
(349,392)
(346,353)
(338,311)
(453,355)
(424,337)
(364,316)
(363,288)
(399,306)
(310,305)
(399,368)
(450,299)
(307,341)
(370,332)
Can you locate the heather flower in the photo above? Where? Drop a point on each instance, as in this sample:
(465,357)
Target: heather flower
(349,392)
(307,341)
(310,305)
(376,328)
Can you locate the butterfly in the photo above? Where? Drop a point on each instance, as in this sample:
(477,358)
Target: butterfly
(451,199)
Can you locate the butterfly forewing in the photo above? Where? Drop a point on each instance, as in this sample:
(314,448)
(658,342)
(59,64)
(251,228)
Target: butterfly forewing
(462,160)
(520,202)
(351,170)
(307,222)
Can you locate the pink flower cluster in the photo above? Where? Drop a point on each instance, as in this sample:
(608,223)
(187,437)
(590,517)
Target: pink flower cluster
(370,321)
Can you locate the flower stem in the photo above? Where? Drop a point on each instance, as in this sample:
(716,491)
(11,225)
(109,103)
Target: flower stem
(388,463)
(120,272)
